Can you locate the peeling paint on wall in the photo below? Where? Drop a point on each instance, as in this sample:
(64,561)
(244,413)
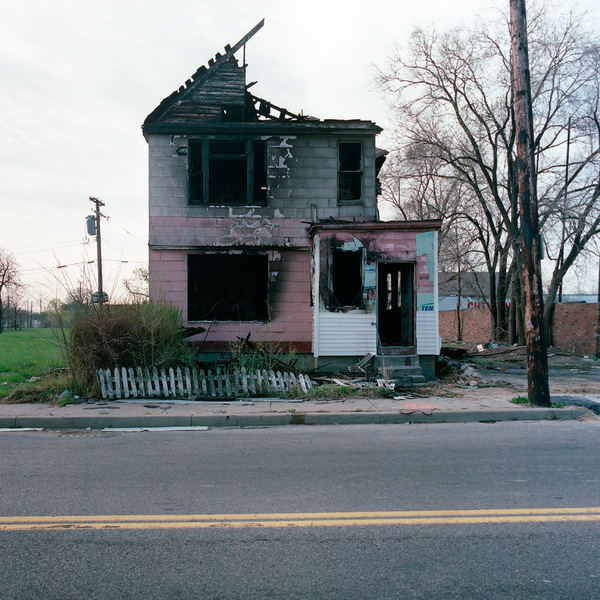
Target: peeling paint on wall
(425,245)
(425,301)
(284,142)
(352,246)
(259,230)
(279,153)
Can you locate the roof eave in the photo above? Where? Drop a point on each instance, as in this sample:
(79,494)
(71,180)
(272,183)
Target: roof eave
(425,225)
(265,128)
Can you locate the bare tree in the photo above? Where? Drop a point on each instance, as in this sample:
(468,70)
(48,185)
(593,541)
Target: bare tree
(137,286)
(451,94)
(9,278)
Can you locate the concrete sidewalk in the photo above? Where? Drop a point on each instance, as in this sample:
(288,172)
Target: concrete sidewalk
(404,408)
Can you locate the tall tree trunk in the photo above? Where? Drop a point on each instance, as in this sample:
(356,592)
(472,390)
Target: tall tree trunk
(512,320)
(502,291)
(493,304)
(458,302)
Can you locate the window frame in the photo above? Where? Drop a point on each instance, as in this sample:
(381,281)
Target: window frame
(360,172)
(334,302)
(250,273)
(201,151)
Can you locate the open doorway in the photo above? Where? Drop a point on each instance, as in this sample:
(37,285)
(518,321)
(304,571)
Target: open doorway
(396,304)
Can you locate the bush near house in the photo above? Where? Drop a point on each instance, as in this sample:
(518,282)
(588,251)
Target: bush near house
(133,335)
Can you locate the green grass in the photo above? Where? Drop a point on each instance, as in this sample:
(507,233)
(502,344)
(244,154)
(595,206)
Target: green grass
(520,400)
(525,400)
(30,353)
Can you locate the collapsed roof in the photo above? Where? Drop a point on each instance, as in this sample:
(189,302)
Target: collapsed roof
(218,94)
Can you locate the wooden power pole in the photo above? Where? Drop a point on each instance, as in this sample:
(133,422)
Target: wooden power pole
(98,203)
(535,333)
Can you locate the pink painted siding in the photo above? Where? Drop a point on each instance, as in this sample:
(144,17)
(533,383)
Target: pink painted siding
(249,231)
(289,296)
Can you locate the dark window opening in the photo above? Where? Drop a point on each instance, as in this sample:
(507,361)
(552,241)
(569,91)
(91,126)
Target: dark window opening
(227,172)
(349,171)
(260,173)
(196,173)
(232,112)
(224,287)
(346,279)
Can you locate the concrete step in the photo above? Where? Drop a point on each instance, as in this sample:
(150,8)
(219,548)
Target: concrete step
(391,361)
(404,369)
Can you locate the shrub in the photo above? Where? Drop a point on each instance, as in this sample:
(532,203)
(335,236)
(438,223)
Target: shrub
(263,355)
(133,335)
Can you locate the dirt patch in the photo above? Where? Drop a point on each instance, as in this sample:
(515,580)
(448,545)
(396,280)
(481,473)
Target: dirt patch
(505,366)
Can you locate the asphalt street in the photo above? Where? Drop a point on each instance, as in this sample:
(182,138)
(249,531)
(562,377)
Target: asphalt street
(503,510)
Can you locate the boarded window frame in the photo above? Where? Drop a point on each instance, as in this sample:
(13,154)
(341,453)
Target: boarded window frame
(350,172)
(228,287)
(211,158)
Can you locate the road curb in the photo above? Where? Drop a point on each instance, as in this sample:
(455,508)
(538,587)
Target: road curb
(295,418)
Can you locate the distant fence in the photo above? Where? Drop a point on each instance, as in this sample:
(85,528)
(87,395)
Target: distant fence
(186,383)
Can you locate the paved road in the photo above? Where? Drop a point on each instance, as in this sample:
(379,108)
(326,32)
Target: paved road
(381,470)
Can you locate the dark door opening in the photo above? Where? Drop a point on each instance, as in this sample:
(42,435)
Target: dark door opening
(396,304)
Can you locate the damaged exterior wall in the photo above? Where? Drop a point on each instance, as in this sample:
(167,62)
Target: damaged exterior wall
(232,175)
(302,184)
(301,179)
(289,298)
(352,331)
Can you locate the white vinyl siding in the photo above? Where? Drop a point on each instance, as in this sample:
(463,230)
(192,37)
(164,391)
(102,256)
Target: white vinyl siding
(346,334)
(428,339)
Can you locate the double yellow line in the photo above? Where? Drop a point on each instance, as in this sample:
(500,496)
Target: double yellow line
(333,519)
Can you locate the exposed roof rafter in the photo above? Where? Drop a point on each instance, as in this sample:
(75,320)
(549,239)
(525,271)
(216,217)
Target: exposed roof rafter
(201,74)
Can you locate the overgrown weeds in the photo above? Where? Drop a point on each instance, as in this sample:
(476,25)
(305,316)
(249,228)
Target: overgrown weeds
(329,391)
(132,335)
(258,356)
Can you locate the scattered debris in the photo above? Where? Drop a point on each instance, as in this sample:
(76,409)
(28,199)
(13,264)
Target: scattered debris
(386,383)
(363,364)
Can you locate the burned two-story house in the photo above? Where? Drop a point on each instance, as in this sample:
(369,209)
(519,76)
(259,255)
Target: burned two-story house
(265,222)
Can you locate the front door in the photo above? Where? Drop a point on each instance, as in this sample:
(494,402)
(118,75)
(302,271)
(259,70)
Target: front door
(396,304)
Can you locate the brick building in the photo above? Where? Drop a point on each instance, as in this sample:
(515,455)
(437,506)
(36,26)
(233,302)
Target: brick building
(265,222)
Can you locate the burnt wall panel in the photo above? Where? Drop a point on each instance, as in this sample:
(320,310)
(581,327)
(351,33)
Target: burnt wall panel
(376,246)
(289,299)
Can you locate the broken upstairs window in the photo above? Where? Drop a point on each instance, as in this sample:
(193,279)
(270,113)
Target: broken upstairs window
(224,287)
(350,171)
(346,279)
(227,172)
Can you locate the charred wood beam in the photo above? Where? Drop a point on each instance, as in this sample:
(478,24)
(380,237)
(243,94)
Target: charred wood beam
(265,109)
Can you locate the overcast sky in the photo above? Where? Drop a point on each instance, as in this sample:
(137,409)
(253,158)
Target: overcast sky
(78,78)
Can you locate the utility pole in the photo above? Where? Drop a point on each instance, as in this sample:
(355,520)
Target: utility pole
(98,203)
(535,333)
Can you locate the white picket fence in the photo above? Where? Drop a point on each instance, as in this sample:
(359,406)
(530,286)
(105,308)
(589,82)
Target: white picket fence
(190,383)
